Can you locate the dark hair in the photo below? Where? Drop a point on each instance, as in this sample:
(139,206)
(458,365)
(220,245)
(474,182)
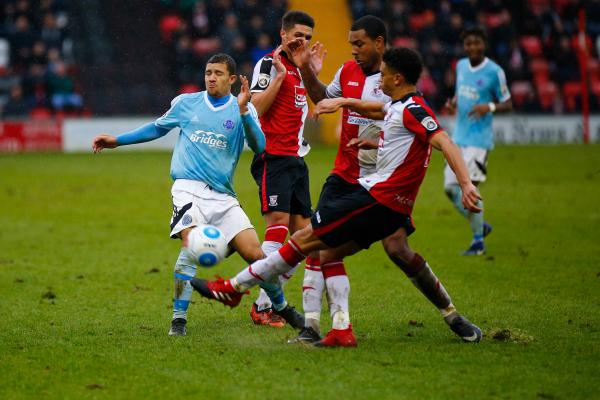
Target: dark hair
(294,17)
(405,61)
(475,31)
(226,59)
(372,25)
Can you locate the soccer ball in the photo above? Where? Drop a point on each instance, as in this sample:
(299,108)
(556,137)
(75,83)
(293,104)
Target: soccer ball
(207,244)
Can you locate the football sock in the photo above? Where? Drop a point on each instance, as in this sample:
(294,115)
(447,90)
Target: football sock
(185,270)
(421,275)
(267,269)
(312,293)
(274,237)
(338,291)
(455,195)
(476,221)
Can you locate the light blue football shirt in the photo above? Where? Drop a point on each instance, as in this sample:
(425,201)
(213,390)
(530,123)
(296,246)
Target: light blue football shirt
(210,141)
(474,85)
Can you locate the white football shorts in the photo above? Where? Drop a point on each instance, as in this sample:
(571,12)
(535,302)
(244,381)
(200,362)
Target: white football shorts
(476,160)
(195,203)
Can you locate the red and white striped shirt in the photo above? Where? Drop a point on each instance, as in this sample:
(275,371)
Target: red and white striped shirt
(403,154)
(351,82)
(283,123)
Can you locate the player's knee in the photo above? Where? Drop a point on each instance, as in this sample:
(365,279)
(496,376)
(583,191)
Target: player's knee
(397,250)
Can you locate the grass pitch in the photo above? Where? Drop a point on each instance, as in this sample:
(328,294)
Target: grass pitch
(86,285)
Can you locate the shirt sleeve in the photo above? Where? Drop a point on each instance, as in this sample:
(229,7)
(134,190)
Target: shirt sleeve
(264,72)
(501,91)
(421,121)
(170,119)
(334,89)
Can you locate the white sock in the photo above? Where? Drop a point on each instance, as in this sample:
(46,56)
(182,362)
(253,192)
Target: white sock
(338,289)
(262,301)
(312,296)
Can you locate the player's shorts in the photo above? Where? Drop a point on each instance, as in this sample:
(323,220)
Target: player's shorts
(354,216)
(476,160)
(195,203)
(282,184)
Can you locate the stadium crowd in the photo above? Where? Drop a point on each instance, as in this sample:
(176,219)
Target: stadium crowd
(36,60)
(534,41)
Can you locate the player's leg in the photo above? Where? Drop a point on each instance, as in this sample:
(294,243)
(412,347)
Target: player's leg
(275,234)
(338,293)
(422,276)
(230,292)
(476,161)
(185,216)
(272,175)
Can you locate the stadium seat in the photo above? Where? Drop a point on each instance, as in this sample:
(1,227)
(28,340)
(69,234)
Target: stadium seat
(519,91)
(189,88)
(416,22)
(404,41)
(40,113)
(540,68)
(206,46)
(571,90)
(547,92)
(532,45)
(169,24)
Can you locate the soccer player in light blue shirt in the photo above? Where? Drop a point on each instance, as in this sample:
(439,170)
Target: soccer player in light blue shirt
(214,125)
(481,90)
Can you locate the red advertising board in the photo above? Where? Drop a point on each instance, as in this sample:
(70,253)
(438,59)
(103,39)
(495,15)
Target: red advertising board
(29,136)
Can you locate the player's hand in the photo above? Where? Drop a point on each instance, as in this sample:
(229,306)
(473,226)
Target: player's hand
(301,54)
(277,63)
(479,110)
(103,142)
(470,198)
(328,106)
(363,143)
(317,56)
(244,97)
(450,106)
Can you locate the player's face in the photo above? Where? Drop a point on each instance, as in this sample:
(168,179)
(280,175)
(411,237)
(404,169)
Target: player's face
(366,51)
(297,32)
(218,80)
(389,80)
(475,48)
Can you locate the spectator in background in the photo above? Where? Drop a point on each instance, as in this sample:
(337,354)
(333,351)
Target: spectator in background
(21,40)
(565,61)
(228,32)
(17,105)
(61,89)
(51,35)
(262,48)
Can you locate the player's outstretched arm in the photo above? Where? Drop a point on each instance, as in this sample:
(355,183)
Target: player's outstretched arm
(254,135)
(470,198)
(310,62)
(369,109)
(142,134)
(262,101)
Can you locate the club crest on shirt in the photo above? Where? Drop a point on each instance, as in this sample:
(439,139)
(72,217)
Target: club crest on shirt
(228,124)
(273,200)
(186,220)
(377,92)
(429,123)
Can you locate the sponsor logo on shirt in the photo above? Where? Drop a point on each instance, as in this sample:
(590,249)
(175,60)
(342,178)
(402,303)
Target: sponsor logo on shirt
(300,96)
(357,119)
(211,139)
(468,92)
(353,83)
(405,201)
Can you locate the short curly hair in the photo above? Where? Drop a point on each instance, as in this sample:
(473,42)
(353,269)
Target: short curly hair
(404,61)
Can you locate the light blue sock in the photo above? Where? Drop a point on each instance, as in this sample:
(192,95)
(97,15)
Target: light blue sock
(476,221)
(275,292)
(455,195)
(185,270)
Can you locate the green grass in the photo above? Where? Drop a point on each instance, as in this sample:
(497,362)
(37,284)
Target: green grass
(88,230)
